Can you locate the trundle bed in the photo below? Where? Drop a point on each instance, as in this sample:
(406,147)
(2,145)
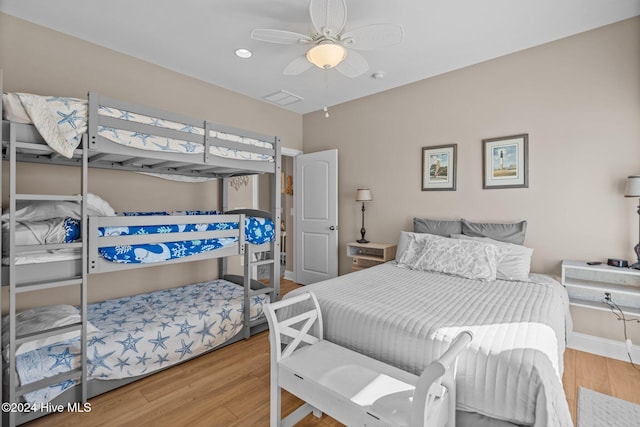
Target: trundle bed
(54,241)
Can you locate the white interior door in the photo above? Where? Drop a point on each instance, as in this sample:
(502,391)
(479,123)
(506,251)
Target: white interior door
(316,214)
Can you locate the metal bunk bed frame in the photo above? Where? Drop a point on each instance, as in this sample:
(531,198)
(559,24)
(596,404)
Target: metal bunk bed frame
(23,143)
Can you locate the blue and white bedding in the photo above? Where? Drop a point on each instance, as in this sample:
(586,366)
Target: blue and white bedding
(160,252)
(257,231)
(67,230)
(144,333)
(62,121)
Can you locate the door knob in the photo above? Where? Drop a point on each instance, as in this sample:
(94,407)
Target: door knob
(332,228)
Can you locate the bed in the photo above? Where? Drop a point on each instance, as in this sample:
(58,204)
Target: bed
(138,335)
(62,249)
(406,312)
(130,237)
(62,121)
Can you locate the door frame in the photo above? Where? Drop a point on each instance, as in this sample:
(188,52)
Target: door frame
(293,153)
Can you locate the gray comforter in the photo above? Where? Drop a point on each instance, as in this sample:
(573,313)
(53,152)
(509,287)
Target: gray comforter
(513,367)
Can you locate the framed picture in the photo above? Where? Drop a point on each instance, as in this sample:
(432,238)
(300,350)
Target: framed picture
(505,162)
(439,168)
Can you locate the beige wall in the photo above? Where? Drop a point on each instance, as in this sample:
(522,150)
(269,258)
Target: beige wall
(577,98)
(38,60)
(579,101)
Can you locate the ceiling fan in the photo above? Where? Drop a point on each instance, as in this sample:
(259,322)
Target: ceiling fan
(331,46)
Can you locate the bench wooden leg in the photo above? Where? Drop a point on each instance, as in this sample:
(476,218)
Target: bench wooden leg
(293,418)
(274,412)
(317,413)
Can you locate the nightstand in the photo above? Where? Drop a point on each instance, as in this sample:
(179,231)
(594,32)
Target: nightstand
(587,285)
(367,255)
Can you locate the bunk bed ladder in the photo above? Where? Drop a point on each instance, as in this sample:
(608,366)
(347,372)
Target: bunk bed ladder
(19,287)
(254,256)
(251,285)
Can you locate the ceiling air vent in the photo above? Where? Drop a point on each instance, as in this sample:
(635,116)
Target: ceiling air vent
(282,98)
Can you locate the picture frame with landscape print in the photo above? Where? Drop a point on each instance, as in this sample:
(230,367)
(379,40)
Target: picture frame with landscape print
(505,162)
(439,168)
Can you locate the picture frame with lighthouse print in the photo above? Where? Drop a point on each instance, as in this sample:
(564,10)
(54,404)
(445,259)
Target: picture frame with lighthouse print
(439,168)
(505,162)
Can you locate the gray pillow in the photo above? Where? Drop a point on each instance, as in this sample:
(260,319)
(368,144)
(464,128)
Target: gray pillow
(509,233)
(438,227)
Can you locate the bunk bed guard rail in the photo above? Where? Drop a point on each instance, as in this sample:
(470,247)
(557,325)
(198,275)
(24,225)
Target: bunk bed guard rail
(97,264)
(193,132)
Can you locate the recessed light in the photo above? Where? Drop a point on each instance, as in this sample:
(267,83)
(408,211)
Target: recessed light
(244,53)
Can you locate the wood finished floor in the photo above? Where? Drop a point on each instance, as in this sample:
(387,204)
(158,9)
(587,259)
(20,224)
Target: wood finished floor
(230,387)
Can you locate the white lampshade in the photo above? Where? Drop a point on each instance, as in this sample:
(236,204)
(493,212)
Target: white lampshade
(363,195)
(633,186)
(326,55)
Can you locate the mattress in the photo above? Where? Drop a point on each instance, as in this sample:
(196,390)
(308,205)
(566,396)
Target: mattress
(62,120)
(512,369)
(144,333)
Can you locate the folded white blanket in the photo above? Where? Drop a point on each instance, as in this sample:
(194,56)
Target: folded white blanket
(43,209)
(36,232)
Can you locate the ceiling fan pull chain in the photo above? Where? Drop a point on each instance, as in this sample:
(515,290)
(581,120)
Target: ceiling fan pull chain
(326,92)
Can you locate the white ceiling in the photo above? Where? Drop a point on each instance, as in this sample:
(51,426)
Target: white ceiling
(198,37)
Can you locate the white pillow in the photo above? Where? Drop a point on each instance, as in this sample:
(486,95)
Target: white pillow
(464,258)
(13,109)
(403,243)
(99,205)
(42,210)
(516,263)
(40,318)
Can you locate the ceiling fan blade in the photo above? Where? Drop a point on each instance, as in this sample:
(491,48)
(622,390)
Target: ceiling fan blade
(353,65)
(373,36)
(280,36)
(328,16)
(297,66)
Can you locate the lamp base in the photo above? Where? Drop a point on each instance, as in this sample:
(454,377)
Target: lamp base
(362,230)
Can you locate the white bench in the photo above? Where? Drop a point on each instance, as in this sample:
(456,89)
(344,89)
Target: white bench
(350,387)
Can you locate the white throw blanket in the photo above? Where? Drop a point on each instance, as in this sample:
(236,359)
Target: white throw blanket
(60,121)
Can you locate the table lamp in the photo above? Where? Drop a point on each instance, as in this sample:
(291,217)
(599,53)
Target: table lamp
(363,195)
(633,190)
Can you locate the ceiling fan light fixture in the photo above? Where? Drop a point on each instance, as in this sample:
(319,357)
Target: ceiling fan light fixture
(326,55)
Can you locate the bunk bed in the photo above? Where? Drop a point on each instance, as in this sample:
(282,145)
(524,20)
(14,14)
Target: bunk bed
(102,132)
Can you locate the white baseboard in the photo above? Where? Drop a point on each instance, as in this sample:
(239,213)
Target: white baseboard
(288,275)
(603,347)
